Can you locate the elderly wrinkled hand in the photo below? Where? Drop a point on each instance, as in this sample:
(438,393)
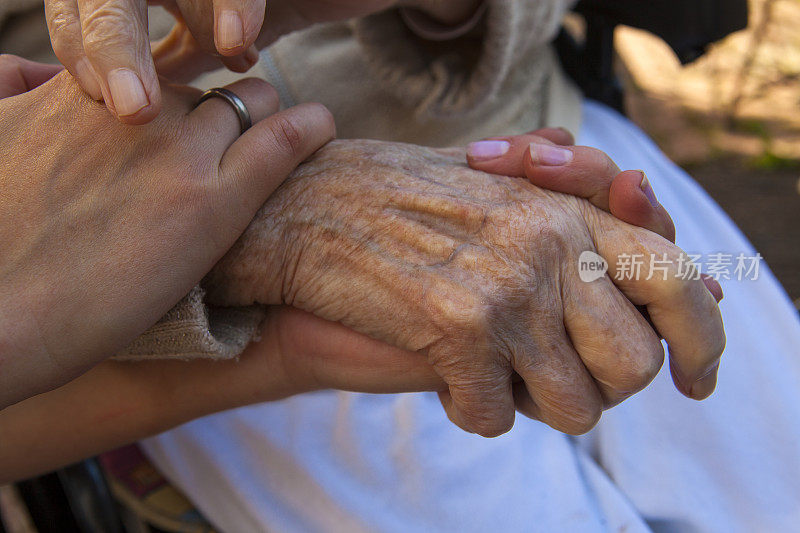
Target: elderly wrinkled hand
(479,272)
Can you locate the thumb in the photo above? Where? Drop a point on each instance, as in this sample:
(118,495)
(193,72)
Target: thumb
(328,355)
(257,163)
(115,41)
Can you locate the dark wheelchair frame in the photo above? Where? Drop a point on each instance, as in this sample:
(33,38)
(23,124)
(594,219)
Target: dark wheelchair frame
(77,499)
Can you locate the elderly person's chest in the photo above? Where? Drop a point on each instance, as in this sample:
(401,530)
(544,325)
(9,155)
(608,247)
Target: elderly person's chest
(434,103)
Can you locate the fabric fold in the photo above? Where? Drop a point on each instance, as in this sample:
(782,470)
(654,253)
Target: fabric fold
(194,329)
(461,76)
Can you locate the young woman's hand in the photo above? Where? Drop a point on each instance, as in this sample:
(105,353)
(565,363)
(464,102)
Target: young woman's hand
(104,226)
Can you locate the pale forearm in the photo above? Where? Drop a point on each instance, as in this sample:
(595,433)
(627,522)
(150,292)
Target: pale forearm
(118,403)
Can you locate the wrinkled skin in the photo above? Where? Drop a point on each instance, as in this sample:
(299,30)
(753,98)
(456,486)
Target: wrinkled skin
(479,271)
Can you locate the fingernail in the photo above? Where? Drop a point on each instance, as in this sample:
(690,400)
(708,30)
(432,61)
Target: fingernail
(648,191)
(550,156)
(127,92)
(230,30)
(488,150)
(88,77)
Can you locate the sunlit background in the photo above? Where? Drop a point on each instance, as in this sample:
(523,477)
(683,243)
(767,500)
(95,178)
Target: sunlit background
(732,118)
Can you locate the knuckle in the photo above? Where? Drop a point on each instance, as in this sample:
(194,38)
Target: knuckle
(526,364)
(571,411)
(719,343)
(552,238)
(582,418)
(680,291)
(288,136)
(65,33)
(62,23)
(269,98)
(256,85)
(451,306)
(637,372)
(63,52)
(714,346)
(601,163)
(270,94)
(106,28)
(669,282)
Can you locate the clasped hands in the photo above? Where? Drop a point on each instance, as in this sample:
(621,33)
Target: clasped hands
(479,272)
(406,245)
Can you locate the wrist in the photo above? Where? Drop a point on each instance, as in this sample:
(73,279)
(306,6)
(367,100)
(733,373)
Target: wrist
(195,389)
(270,369)
(29,367)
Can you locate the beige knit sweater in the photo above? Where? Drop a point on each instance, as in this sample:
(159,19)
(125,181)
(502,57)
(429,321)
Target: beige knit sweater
(381,81)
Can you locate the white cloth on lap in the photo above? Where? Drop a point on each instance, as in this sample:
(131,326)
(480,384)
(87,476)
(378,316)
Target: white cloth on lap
(336,461)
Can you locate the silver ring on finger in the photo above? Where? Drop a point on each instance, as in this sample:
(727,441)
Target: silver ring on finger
(235,102)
